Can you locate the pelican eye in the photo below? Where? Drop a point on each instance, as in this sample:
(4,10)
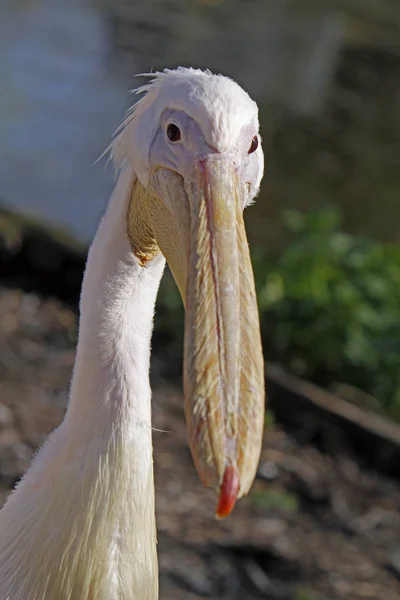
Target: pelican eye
(254,145)
(173,133)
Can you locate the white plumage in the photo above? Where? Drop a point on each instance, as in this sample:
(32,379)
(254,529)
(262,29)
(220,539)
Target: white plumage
(81,525)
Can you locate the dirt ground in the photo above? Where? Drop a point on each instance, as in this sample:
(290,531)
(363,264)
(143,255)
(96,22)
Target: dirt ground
(314,526)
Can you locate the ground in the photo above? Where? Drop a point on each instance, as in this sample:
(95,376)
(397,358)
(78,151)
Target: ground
(314,526)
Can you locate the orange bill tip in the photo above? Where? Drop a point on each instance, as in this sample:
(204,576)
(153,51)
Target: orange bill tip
(228,492)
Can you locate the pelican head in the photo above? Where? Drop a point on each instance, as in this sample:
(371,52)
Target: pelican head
(193,144)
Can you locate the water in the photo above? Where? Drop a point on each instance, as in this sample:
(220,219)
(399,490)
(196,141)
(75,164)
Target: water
(63,89)
(59,104)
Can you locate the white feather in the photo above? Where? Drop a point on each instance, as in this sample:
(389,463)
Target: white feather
(218,104)
(81,525)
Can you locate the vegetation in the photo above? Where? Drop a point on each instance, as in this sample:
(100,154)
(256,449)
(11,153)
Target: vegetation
(330,306)
(275,499)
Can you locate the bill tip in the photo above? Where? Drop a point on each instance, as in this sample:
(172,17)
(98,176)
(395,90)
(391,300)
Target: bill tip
(228,492)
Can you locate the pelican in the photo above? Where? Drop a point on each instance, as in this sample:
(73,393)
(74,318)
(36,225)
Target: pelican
(80,525)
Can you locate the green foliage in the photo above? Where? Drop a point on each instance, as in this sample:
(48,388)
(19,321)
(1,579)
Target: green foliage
(275,500)
(269,420)
(330,306)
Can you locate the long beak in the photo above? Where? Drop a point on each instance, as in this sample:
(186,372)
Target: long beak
(223,362)
(197,222)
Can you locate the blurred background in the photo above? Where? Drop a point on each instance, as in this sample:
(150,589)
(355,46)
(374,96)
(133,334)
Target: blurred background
(322,522)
